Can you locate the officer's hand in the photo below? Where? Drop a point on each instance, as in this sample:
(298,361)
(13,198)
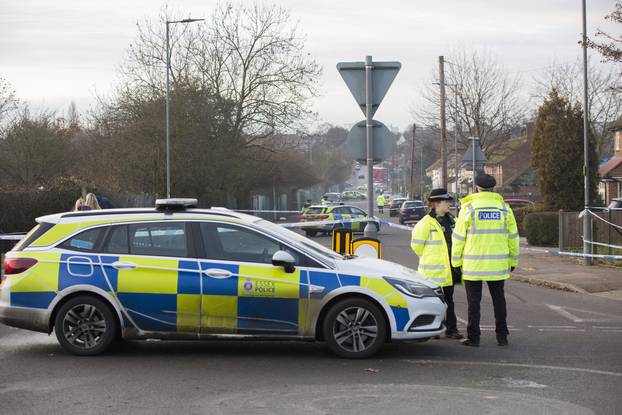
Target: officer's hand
(512,269)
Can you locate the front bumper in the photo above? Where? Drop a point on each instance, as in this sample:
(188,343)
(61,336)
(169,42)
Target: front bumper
(426,316)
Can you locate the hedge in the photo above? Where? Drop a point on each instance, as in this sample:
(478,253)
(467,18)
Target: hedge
(542,228)
(519,215)
(19,209)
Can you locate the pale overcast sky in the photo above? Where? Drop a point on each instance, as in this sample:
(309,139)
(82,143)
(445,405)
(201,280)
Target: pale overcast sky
(55,51)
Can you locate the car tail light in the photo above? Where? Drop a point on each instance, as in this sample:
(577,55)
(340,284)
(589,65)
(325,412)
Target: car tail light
(17,265)
(323,217)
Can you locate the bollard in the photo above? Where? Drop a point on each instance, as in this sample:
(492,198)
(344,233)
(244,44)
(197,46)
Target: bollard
(371,230)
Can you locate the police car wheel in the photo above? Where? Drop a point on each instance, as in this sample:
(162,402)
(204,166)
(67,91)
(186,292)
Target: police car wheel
(85,326)
(354,328)
(310,233)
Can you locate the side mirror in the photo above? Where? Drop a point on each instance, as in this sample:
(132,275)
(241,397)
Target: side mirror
(284,259)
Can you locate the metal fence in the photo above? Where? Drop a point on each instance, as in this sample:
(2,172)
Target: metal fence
(571,230)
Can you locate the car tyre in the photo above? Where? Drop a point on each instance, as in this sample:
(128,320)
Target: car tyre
(401,221)
(310,234)
(354,328)
(86,326)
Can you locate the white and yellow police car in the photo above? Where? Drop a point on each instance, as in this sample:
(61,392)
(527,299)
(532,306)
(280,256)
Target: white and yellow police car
(177,272)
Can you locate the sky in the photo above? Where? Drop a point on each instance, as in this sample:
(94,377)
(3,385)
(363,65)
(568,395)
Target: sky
(57,51)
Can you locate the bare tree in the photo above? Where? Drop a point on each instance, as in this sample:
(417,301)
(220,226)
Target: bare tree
(488,101)
(611,45)
(604,102)
(8,100)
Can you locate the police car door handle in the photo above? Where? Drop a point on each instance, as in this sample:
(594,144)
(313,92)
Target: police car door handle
(218,273)
(121,265)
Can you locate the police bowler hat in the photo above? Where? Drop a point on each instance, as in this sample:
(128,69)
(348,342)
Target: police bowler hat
(485,181)
(437,195)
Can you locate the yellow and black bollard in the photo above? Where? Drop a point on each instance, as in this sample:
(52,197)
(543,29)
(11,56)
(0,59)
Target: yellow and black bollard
(367,247)
(342,241)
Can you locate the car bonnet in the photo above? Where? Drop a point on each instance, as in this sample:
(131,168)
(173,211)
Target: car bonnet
(373,267)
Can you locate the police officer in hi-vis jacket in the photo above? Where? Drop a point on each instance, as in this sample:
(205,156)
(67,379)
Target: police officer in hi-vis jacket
(485,245)
(431,241)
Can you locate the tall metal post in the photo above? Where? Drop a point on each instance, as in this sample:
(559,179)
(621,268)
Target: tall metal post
(168,121)
(421,172)
(587,218)
(412,164)
(456,171)
(441,69)
(369,135)
(474,173)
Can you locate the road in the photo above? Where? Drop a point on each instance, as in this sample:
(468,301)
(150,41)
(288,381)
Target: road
(565,357)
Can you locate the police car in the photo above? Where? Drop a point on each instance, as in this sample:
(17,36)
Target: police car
(176,272)
(350,215)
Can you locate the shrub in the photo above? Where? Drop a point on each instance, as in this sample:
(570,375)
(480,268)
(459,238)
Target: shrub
(542,228)
(519,215)
(19,209)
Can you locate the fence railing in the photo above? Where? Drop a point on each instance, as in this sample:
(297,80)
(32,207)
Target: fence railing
(603,231)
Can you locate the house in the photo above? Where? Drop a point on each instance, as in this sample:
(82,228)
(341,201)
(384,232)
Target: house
(511,168)
(610,172)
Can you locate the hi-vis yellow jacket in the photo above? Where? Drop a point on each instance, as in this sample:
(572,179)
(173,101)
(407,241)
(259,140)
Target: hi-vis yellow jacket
(380,200)
(485,240)
(428,242)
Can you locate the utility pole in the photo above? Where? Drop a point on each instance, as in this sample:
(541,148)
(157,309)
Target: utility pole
(412,164)
(587,218)
(441,70)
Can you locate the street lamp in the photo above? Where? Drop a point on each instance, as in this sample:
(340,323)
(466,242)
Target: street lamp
(168,87)
(473,158)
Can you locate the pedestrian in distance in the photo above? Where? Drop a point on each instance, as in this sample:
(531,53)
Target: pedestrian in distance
(431,241)
(90,201)
(380,202)
(79,205)
(485,245)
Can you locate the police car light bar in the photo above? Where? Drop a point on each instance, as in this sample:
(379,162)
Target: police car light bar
(178,203)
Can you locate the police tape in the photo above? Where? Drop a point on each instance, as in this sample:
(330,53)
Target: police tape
(574,254)
(328,222)
(266,211)
(11,236)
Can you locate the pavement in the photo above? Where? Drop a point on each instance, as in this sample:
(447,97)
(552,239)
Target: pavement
(568,274)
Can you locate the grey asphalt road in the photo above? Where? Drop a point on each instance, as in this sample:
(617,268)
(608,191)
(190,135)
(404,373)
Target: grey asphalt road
(565,357)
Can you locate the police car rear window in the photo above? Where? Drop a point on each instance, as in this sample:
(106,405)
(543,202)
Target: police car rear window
(84,241)
(33,235)
(315,211)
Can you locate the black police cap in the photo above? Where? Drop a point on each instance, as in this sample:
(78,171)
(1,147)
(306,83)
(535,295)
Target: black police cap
(485,181)
(438,195)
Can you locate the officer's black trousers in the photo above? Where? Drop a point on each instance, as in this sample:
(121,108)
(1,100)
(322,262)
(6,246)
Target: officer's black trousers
(474,297)
(451,324)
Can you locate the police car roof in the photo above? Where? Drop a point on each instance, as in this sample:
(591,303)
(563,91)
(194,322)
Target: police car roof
(138,212)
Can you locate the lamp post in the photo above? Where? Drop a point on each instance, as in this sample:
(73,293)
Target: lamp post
(168,88)
(473,160)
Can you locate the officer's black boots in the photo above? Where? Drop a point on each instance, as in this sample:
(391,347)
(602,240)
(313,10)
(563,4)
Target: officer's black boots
(502,340)
(470,342)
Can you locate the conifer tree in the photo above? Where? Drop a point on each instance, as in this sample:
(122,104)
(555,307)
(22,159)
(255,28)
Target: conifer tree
(557,154)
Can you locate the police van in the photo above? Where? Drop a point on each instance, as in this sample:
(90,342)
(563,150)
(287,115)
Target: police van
(178,272)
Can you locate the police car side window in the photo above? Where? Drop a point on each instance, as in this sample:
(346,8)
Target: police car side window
(233,243)
(158,239)
(117,241)
(84,241)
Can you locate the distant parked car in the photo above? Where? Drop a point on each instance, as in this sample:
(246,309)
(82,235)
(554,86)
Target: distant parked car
(519,203)
(616,204)
(412,210)
(352,195)
(332,197)
(395,204)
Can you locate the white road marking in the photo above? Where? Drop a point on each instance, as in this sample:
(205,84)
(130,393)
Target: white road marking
(517,365)
(563,330)
(608,327)
(563,311)
(612,331)
(552,327)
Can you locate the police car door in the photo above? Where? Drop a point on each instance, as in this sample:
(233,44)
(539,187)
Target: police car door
(357,214)
(156,278)
(242,291)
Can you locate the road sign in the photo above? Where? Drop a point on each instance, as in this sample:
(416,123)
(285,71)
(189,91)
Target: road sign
(353,73)
(382,142)
(480,157)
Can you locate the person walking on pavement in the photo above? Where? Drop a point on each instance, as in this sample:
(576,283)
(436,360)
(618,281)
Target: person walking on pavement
(431,241)
(90,200)
(380,202)
(485,245)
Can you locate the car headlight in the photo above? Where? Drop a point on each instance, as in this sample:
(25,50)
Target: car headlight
(412,288)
